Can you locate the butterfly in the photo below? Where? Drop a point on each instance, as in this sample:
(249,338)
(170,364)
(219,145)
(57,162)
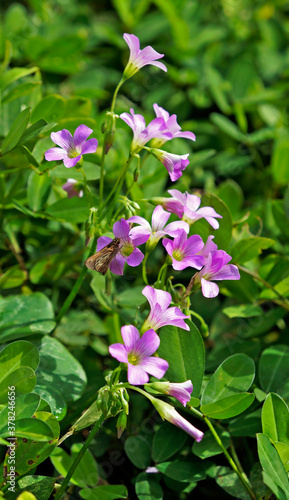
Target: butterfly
(100,260)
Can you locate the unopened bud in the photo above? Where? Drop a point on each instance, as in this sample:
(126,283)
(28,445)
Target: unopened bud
(121,423)
(109,140)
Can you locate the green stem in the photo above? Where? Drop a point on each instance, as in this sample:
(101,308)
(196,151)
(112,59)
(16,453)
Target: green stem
(86,188)
(73,467)
(118,183)
(101,181)
(115,94)
(162,275)
(283,299)
(144,271)
(75,289)
(204,326)
(241,475)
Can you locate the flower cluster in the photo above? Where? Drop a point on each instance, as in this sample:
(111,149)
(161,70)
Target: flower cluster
(184,250)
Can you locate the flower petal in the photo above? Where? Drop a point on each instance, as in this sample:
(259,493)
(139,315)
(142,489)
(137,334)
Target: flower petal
(54,154)
(229,272)
(89,146)
(119,352)
(155,366)
(139,235)
(141,221)
(121,229)
(173,228)
(80,135)
(117,264)
(130,335)
(71,162)
(63,138)
(136,375)
(135,258)
(155,296)
(133,43)
(102,242)
(209,289)
(147,344)
(159,218)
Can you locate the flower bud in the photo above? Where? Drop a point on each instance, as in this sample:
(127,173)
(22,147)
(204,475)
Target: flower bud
(121,423)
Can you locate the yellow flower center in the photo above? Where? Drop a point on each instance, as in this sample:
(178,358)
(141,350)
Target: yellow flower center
(132,359)
(127,250)
(177,255)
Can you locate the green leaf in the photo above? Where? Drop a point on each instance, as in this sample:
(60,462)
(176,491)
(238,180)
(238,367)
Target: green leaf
(274,368)
(40,486)
(243,311)
(167,441)
(12,278)
(146,487)
(249,248)
(106,492)
(62,373)
(228,407)
(16,131)
(280,159)
(271,463)
(51,108)
(228,127)
(54,399)
(22,315)
(138,451)
(283,452)
(86,473)
(275,419)
(30,453)
(20,91)
(14,74)
(33,131)
(185,354)
(229,481)
(92,172)
(216,86)
(209,447)
(234,375)
(282,288)
(23,379)
(89,417)
(25,407)
(16,355)
(30,428)
(38,189)
(182,471)
(73,210)
(246,425)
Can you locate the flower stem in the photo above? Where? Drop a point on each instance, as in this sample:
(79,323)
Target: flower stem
(86,188)
(101,181)
(118,184)
(144,271)
(241,475)
(285,302)
(76,287)
(73,467)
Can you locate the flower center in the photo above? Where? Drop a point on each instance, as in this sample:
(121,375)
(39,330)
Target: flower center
(72,153)
(133,358)
(177,255)
(127,249)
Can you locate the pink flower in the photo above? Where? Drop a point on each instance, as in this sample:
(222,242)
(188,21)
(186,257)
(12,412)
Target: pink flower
(172,125)
(71,191)
(175,164)
(71,148)
(128,251)
(158,227)
(210,246)
(139,58)
(142,133)
(169,413)
(216,268)
(181,391)
(137,352)
(186,206)
(161,313)
(184,251)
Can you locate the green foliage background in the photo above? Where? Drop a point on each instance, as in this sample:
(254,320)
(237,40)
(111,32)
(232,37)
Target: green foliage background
(227,82)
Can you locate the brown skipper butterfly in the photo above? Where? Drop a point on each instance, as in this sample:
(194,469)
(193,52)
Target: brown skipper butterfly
(100,260)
